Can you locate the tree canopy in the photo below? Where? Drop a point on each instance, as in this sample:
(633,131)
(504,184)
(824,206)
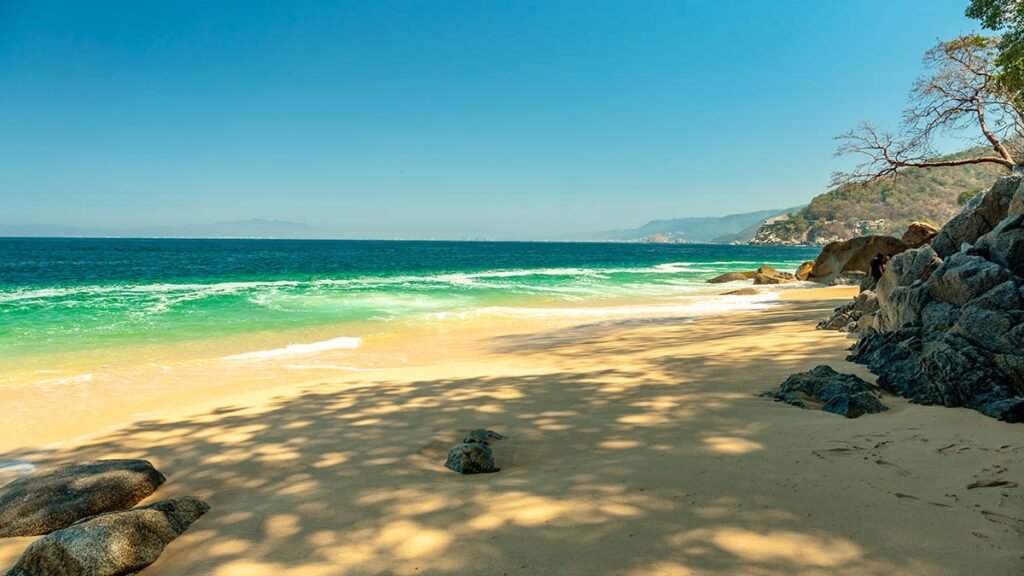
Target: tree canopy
(1006,18)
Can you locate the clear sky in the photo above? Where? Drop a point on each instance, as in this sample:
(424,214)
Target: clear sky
(436,119)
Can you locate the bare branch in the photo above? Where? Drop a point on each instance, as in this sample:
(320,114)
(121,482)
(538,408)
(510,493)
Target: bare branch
(960,92)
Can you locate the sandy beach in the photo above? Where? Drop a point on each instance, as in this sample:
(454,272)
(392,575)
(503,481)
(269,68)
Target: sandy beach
(633,448)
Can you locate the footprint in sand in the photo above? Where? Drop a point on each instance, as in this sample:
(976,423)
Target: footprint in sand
(991,483)
(953,449)
(1014,524)
(911,497)
(899,469)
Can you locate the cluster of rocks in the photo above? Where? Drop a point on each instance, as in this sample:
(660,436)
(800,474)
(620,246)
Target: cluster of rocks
(474,454)
(84,513)
(854,316)
(843,394)
(763,275)
(944,324)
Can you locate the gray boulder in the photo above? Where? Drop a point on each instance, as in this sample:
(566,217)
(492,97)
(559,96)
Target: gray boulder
(843,394)
(962,278)
(474,454)
(111,544)
(978,217)
(54,499)
(1004,245)
(899,290)
(941,367)
(848,317)
(1016,203)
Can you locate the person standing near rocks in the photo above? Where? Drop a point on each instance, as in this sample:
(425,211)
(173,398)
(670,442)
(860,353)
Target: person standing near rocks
(878,265)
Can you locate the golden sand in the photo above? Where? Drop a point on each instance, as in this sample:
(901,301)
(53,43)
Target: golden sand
(634,448)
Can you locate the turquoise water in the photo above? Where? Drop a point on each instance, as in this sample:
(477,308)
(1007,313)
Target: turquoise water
(59,296)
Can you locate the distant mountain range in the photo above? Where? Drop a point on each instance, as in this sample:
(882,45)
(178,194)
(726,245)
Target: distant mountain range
(734,228)
(253,228)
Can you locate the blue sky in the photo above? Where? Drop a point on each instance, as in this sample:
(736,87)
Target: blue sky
(435,119)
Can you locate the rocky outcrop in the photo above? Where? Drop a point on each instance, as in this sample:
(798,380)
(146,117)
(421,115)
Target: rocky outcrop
(980,215)
(474,455)
(899,288)
(803,272)
(951,331)
(111,544)
(51,500)
(769,275)
(853,255)
(843,394)
(763,275)
(854,316)
(918,234)
(731,277)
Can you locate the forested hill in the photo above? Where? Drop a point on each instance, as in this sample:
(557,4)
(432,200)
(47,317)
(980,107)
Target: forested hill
(887,206)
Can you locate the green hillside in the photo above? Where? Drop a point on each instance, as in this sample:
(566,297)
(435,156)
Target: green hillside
(883,207)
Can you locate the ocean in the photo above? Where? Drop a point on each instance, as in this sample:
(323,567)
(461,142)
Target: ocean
(68,303)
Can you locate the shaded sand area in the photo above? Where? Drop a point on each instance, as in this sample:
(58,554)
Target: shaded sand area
(634,448)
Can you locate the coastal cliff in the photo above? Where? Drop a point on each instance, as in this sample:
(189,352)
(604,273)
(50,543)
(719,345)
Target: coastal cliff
(884,207)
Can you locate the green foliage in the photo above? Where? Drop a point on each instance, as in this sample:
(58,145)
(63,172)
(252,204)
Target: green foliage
(1005,17)
(966,196)
(932,195)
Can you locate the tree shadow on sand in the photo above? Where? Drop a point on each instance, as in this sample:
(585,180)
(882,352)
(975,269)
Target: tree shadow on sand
(612,467)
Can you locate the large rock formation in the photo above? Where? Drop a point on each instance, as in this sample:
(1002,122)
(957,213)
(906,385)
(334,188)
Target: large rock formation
(843,394)
(951,331)
(51,500)
(980,215)
(918,234)
(112,544)
(852,256)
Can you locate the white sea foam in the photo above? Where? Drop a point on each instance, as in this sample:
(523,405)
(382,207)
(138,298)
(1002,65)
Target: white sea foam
(342,343)
(190,291)
(690,309)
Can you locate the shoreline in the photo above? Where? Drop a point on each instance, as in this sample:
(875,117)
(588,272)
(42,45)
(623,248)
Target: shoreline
(634,448)
(112,386)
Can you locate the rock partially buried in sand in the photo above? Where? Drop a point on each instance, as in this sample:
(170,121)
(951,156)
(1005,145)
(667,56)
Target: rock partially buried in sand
(54,499)
(732,277)
(843,394)
(474,454)
(743,292)
(112,544)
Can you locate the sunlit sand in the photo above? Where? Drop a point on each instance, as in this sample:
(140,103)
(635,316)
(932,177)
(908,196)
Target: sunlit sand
(634,448)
